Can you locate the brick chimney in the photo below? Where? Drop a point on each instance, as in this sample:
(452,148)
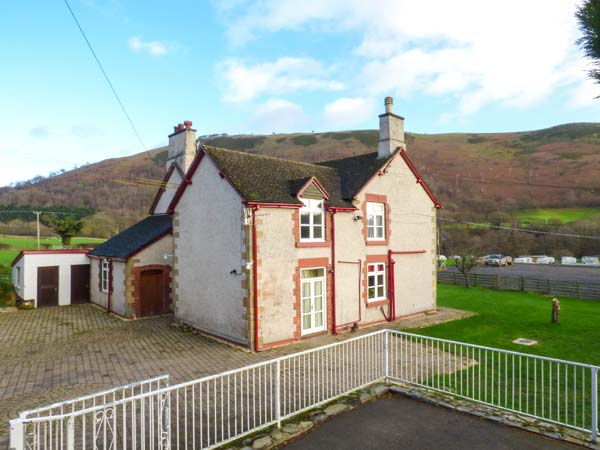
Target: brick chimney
(182,145)
(391,131)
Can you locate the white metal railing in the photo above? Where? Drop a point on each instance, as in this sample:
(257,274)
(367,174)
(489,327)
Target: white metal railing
(549,389)
(214,410)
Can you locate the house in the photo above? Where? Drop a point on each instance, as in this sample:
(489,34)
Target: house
(52,277)
(131,272)
(269,251)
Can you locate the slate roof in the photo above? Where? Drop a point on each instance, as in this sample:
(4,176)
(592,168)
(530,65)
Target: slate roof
(133,239)
(266,179)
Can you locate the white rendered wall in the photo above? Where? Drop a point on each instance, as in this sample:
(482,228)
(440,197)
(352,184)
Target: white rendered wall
(208,234)
(165,199)
(29,267)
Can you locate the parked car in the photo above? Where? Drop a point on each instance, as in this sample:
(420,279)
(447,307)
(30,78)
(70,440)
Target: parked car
(496,260)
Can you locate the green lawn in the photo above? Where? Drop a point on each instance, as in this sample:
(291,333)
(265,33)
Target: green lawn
(564,215)
(504,316)
(540,388)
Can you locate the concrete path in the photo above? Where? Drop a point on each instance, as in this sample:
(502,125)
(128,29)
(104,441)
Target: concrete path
(404,423)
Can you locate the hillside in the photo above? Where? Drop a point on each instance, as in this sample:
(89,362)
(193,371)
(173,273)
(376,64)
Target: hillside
(478,172)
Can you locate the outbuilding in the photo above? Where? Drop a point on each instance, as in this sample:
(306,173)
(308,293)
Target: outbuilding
(131,272)
(52,277)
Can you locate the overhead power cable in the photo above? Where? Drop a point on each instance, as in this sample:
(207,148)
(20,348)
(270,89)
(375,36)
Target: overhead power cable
(112,88)
(524,230)
(441,174)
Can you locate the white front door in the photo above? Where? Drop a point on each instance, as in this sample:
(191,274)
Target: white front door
(313,300)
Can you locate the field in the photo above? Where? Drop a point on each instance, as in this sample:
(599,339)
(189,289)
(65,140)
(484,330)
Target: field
(504,316)
(564,215)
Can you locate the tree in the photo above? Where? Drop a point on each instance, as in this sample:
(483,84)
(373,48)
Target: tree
(466,244)
(588,15)
(66,227)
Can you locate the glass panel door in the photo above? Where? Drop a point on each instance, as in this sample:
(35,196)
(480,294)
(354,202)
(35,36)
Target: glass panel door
(313,300)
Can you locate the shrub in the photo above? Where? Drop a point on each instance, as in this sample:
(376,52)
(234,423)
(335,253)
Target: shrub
(305,139)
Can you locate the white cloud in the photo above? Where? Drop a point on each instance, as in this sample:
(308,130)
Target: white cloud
(513,53)
(277,115)
(155,48)
(246,82)
(346,112)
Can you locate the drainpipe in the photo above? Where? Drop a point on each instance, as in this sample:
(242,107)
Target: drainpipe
(333,326)
(255,277)
(110,284)
(391,287)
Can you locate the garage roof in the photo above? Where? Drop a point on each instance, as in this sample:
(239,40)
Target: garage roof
(135,238)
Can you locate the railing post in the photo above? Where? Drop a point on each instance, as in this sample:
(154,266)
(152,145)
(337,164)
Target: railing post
(594,404)
(70,433)
(17,435)
(277,393)
(386,356)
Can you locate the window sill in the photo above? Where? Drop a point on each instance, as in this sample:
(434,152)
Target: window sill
(377,242)
(313,244)
(313,334)
(375,303)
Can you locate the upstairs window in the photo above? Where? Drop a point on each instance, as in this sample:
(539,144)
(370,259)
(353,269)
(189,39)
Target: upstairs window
(375,221)
(376,282)
(312,221)
(104,275)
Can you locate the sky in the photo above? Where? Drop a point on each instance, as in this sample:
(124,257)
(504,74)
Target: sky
(278,66)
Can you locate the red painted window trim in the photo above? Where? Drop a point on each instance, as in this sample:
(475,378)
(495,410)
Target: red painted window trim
(308,263)
(296,231)
(374,259)
(376,198)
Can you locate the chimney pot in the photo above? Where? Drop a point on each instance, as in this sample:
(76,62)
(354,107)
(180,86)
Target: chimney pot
(389,103)
(188,123)
(179,126)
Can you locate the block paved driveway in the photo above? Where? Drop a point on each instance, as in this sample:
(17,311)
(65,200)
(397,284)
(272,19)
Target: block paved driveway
(57,353)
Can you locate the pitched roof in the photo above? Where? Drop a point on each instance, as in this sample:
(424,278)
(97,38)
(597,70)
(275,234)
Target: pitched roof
(265,179)
(274,180)
(355,171)
(135,238)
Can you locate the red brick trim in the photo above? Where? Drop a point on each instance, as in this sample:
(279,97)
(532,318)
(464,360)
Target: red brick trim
(296,231)
(376,198)
(136,273)
(373,259)
(307,263)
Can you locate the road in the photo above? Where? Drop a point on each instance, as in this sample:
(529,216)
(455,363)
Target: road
(558,273)
(402,422)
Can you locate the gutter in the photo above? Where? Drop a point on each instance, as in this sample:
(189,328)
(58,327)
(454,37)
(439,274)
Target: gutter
(333,325)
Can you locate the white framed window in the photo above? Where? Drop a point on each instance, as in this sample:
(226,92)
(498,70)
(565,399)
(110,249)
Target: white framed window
(376,282)
(375,221)
(104,275)
(312,291)
(312,221)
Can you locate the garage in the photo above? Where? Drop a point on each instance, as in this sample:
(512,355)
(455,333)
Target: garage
(52,277)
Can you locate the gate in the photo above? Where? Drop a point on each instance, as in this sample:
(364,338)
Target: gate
(135,415)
